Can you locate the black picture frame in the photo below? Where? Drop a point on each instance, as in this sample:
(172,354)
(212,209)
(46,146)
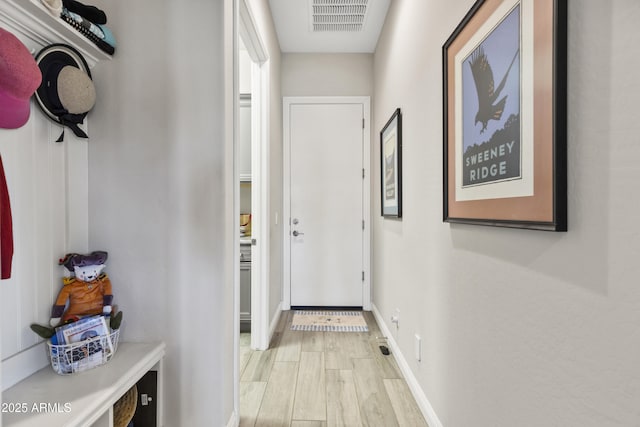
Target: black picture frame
(391,167)
(515,175)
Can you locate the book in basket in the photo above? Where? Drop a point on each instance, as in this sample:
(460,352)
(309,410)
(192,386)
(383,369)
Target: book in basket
(88,342)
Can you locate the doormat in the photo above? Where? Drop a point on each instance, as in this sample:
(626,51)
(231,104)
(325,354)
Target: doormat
(329,321)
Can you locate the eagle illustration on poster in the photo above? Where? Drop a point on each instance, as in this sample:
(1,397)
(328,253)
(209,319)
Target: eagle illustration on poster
(390,174)
(483,78)
(491,134)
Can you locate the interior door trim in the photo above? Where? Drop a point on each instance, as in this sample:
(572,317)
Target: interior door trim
(287,103)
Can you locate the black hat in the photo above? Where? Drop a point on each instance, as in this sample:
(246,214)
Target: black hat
(67,93)
(78,260)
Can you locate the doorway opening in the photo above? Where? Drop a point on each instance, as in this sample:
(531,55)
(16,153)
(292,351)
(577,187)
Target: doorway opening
(327,154)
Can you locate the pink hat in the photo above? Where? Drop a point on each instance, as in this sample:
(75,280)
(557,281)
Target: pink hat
(19,79)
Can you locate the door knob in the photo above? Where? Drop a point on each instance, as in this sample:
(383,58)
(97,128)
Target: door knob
(296,233)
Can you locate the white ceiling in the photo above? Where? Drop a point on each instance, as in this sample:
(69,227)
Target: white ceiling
(294,26)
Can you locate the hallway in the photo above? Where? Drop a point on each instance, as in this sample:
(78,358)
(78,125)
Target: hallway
(323,379)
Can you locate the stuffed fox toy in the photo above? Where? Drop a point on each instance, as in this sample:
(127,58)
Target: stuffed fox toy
(88,293)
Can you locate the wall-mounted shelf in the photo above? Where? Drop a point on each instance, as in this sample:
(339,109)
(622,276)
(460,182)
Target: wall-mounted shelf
(83,399)
(32,20)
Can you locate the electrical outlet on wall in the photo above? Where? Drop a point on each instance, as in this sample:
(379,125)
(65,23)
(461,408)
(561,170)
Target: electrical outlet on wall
(395,318)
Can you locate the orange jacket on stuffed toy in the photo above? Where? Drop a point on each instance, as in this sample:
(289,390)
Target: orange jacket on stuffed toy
(88,293)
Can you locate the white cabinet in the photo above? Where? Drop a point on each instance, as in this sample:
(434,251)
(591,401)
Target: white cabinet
(245,296)
(244,139)
(245,284)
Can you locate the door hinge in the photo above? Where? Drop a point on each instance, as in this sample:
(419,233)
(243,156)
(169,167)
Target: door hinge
(362,173)
(363,224)
(362,123)
(363,276)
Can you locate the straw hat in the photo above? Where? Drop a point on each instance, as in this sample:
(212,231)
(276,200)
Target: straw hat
(53,6)
(19,78)
(67,93)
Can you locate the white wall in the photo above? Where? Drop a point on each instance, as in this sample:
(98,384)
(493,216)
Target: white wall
(327,74)
(36,175)
(161,193)
(519,328)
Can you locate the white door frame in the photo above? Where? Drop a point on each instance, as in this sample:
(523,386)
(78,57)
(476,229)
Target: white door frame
(288,101)
(244,27)
(259,176)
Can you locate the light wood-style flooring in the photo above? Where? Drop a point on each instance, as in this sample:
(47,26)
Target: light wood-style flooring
(309,379)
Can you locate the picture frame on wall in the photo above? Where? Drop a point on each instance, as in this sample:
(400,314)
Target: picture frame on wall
(504,103)
(391,166)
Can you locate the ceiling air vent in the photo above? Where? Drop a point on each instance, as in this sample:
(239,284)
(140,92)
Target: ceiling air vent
(338,15)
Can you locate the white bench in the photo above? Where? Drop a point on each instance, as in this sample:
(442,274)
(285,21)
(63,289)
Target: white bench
(83,399)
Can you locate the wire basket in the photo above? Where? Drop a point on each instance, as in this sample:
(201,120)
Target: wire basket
(67,359)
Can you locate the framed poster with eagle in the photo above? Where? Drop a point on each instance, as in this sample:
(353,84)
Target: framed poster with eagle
(504,103)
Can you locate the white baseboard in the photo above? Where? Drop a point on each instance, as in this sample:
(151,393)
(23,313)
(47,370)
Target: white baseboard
(233,420)
(421,399)
(274,321)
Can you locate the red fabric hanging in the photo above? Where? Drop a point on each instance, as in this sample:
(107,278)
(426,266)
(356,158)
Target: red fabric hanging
(6,228)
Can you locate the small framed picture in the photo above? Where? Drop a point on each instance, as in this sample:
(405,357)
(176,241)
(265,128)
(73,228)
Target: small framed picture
(391,166)
(504,101)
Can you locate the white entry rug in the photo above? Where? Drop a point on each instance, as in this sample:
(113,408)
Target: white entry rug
(329,321)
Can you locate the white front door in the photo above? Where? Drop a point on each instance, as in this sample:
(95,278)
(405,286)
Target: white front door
(326,188)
